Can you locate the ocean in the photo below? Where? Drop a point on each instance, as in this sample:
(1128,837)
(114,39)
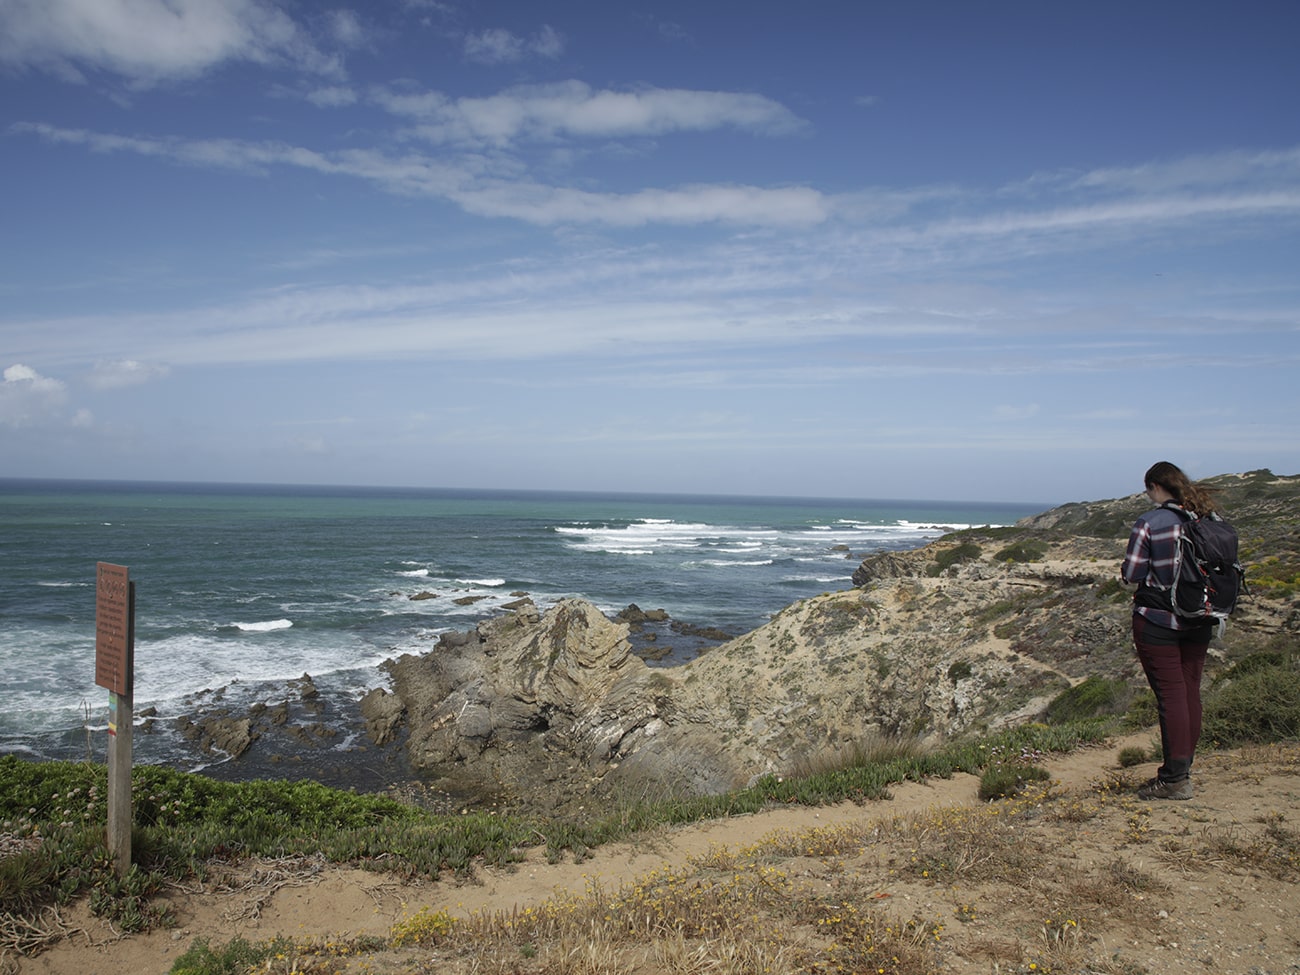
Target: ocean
(240,588)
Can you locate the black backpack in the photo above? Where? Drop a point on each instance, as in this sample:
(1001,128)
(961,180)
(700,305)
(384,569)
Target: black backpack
(1208,578)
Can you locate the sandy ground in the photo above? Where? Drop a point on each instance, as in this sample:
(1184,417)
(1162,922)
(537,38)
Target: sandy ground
(1212,915)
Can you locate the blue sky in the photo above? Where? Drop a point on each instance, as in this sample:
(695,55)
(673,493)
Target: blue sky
(1007,251)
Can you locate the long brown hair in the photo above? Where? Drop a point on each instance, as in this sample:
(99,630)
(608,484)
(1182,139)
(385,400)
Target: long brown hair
(1194,497)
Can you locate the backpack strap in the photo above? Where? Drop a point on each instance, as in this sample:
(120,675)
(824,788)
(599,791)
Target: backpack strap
(1179,510)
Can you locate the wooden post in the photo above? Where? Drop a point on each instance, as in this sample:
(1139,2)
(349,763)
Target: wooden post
(114,669)
(120,710)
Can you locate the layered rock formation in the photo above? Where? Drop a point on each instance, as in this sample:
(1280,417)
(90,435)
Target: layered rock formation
(554,710)
(978,630)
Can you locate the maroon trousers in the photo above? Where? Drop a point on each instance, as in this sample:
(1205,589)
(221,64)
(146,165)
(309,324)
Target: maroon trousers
(1173,661)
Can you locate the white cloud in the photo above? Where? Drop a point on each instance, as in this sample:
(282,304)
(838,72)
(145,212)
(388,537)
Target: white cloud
(345,28)
(548,42)
(332,96)
(498,46)
(457,181)
(574,109)
(1217,169)
(27,397)
(546,205)
(147,41)
(125,372)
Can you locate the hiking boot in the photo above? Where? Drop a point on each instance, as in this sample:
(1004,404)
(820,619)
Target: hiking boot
(1160,789)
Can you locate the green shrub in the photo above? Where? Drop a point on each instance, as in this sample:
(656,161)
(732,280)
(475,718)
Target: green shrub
(1006,780)
(1262,705)
(965,552)
(1112,590)
(1252,664)
(237,957)
(1131,756)
(1024,550)
(1094,697)
(1142,712)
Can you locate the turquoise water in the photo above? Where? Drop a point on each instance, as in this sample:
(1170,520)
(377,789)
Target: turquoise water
(243,587)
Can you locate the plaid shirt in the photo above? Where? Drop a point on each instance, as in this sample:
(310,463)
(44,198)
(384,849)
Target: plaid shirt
(1152,558)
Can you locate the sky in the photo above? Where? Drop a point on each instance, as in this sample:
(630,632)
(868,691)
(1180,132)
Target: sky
(1006,251)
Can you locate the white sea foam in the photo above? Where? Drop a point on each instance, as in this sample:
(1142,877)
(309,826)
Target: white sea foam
(182,666)
(481,582)
(651,536)
(265,626)
(416,574)
(658,536)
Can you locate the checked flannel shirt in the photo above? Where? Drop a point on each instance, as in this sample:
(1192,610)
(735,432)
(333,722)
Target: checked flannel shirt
(1151,560)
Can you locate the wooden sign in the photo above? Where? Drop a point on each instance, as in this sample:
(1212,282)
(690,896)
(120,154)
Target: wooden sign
(114,628)
(114,669)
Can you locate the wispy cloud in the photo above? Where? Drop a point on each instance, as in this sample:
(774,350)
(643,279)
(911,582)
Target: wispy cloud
(499,46)
(332,96)
(120,373)
(547,205)
(462,181)
(573,109)
(148,41)
(27,398)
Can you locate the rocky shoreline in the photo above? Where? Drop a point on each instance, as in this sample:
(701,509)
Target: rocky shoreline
(555,710)
(302,732)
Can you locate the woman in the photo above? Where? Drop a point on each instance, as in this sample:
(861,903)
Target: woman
(1171,648)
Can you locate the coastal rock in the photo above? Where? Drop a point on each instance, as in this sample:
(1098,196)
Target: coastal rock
(219,734)
(634,614)
(554,710)
(551,709)
(383,713)
(886,565)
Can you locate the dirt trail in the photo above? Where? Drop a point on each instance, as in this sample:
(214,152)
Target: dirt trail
(316,901)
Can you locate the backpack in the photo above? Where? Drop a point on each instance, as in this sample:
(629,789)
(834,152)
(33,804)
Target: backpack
(1208,578)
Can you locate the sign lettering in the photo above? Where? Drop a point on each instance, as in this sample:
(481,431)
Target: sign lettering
(113,625)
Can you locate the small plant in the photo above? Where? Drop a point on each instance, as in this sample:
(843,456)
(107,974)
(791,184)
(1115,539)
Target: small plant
(1024,550)
(1131,756)
(425,927)
(1112,590)
(967,551)
(238,956)
(1005,781)
(1007,772)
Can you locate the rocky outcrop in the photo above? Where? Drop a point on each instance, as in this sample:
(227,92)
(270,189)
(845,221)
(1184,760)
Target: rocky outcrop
(554,711)
(887,565)
(219,734)
(980,629)
(549,710)
(382,712)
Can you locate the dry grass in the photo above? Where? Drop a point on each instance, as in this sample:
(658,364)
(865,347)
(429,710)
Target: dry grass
(1005,887)
(1055,881)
